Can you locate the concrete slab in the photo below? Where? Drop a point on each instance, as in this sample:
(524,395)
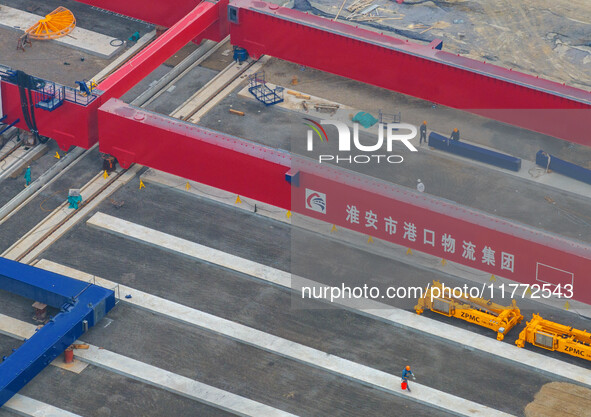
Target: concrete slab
(101,393)
(80,39)
(154,376)
(251,302)
(378,311)
(529,170)
(283,347)
(26,406)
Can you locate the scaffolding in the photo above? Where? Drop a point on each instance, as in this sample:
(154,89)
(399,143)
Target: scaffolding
(257,86)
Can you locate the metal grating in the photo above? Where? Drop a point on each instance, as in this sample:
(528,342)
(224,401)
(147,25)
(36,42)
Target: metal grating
(441,306)
(545,339)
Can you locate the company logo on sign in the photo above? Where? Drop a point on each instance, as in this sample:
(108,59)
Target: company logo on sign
(316,201)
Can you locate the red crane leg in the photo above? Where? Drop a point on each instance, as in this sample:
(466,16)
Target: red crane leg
(514,251)
(418,70)
(232,164)
(201,18)
(71,124)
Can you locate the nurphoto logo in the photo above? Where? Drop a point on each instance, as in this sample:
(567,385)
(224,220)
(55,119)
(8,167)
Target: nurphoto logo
(368,152)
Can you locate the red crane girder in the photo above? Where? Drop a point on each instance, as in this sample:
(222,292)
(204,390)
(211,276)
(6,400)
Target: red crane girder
(514,251)
(418,70)
(196,22)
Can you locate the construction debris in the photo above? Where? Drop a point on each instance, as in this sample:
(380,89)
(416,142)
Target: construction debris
(359,5)
(80,346)
(22,42)
(237,112)
(340,10)
(326,108)
(117,204)
(298,94)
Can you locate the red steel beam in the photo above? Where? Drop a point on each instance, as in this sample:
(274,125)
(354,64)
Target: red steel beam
(418,70)
(515,251)
(197,21)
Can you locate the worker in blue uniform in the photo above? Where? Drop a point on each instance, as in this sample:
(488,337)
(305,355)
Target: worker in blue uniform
(455,135)
(423,130)
(406,373)
(28,176)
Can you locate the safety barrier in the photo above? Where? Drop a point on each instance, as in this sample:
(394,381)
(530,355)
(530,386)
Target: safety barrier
(563,167)
(477,153)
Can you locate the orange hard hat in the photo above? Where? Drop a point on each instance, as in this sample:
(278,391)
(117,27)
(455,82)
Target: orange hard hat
(424,122)
(407,367)
(456,129)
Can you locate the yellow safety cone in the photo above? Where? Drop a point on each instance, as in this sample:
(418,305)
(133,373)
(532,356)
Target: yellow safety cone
(567,305)
(443,262)
(334,228)
(238,201)
(142,185)
(369,239)
(409,251)
(57,155)
(187,186)
(105,175)
(493,278)
(288,214)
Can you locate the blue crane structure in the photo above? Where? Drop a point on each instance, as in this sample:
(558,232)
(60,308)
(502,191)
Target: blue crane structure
(81,305)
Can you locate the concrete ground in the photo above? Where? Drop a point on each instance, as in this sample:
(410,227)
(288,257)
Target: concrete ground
(253,373)
(51,61)
(458,180)
(223,293)
(49,199)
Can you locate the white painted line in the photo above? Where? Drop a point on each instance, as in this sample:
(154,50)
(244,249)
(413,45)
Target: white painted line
(82,39)
(154,376)
(382,312)
(177,384)
(283,347)
(25,406)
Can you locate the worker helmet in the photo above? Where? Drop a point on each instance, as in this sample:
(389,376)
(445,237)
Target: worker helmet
(456,129)
(424,122)
(407,367)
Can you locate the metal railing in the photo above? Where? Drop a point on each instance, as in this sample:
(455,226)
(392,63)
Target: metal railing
(47,90)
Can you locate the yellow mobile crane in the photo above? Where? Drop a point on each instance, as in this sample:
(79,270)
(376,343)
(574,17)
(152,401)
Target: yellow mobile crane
(440,299)
(554,336)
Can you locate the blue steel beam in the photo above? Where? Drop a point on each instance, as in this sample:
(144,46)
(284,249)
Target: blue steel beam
(81,305)
(8,126)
